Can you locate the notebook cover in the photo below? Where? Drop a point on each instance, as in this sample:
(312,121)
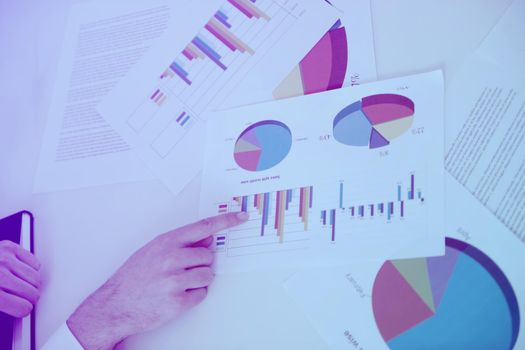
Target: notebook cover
(10,229)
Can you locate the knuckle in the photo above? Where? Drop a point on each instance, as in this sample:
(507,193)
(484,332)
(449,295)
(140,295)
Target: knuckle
(177,282)
(207,223)
(168,265)
(204,255)
(197,296)
(25,309)
(5,259)
(35,295)
(6,245)
(22,309)
(205,275)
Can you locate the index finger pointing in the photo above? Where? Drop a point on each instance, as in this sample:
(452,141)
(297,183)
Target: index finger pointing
(205,228)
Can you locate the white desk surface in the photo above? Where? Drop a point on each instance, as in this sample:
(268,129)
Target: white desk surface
(84,235)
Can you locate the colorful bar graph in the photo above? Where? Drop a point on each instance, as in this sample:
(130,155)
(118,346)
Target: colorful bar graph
(341,189)
(221,17)
(179,119)
(382,209)
(244,203)
(177,69)
(332,222)
(223,208)
(411,191)
(221,241)
(277,203)
(208,51)
(213,27)
(223,30)
(158,97)
(249,9)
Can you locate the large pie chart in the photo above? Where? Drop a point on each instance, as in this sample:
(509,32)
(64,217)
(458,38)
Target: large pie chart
(262,145)
(323,68)
(374,121)
(461,300)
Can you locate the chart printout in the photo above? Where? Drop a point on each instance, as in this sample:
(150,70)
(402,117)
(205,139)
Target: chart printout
(485,140)
(354,173)
(468,296)
(159,107)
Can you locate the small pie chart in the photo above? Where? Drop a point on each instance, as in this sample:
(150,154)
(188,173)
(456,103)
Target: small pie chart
(461,300)
(374,121)
(262,145)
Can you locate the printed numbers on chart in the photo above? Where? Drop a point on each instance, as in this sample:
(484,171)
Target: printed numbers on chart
(354,79)
(402,88)
(418,131)
(383,154)
(325,137)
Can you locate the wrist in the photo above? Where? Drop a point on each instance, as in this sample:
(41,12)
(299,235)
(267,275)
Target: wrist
(97,323)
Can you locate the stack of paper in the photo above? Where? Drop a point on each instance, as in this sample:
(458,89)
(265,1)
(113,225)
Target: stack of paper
(168,89)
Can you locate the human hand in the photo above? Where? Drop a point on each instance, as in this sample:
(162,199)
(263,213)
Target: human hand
(158,283)
(19,280)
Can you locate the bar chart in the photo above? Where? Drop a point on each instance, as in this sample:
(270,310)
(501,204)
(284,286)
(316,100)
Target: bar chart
(211,65)
(279,221)
(397,207)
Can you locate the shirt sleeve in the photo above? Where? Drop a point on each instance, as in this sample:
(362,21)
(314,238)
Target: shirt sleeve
(62,339)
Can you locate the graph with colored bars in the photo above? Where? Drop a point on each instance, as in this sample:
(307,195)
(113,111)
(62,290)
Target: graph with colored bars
(279,221)
(210,66)
(395,209)
(227,40)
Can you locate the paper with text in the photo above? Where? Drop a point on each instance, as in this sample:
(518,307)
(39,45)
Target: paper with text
(485,138)
(102,42)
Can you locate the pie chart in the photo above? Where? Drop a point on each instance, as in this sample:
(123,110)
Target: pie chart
(461,300)
(374,121)
(263,145)
(323,68)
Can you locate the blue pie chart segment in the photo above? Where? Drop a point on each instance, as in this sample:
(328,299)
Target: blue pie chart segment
(472,305)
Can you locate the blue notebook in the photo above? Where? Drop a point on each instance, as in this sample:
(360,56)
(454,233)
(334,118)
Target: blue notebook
(17,334)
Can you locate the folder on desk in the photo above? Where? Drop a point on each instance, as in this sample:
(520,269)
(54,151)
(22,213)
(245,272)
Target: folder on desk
(18,334)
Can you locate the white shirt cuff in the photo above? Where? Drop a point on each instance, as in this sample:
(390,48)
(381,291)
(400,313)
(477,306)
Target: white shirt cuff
(62,339)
